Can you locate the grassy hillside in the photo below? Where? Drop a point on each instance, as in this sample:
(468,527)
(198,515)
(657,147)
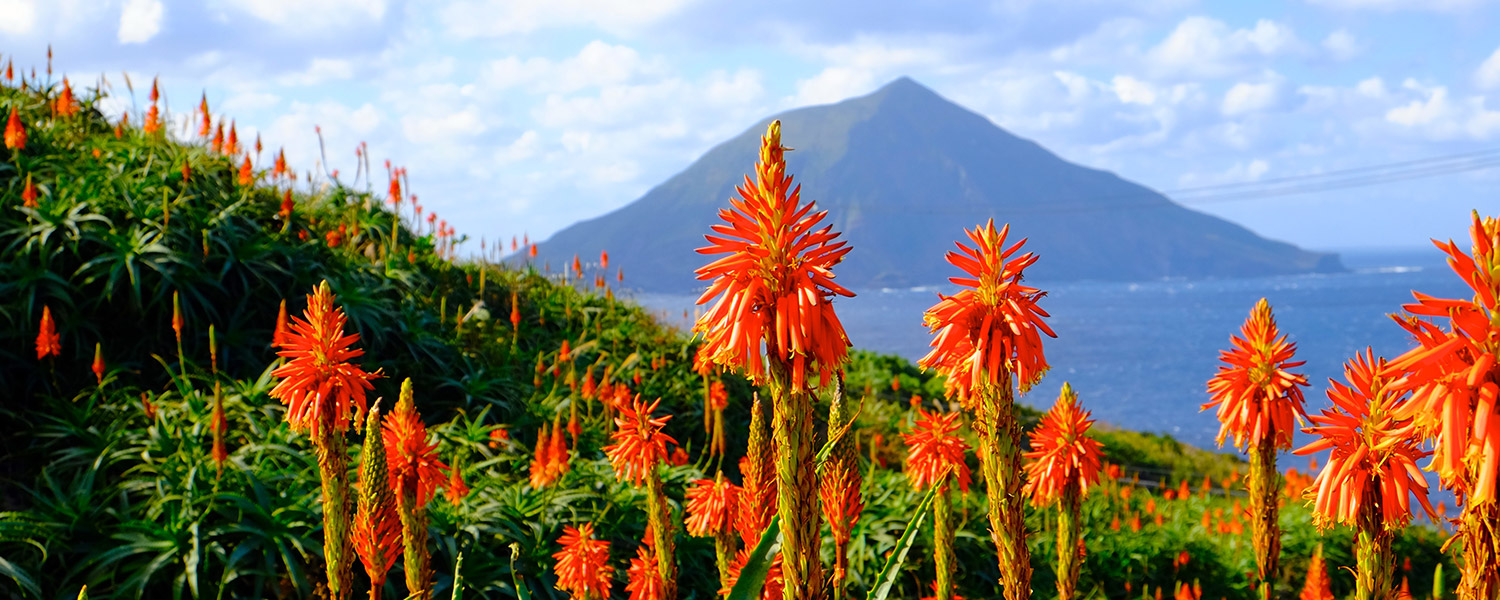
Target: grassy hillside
(111,482)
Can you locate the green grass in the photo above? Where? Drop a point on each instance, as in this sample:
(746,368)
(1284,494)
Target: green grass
(94,491)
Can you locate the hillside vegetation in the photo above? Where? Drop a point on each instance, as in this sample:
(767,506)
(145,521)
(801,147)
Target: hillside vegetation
(111,482)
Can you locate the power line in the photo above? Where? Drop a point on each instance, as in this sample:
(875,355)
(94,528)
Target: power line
(1250,190)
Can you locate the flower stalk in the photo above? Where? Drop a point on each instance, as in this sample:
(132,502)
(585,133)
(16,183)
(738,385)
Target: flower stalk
(639,448)
(839,489)
(988,343)
(1258,400)
(415,476)
(774,287)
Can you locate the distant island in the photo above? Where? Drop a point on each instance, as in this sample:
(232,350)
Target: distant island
(901,172)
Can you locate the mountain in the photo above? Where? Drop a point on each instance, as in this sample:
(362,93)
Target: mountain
(901,172)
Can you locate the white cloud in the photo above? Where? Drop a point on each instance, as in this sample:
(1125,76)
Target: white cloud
(1487,76)
(140,20)
(1133,91)
(1437,117)
(524,147)
(1207,47)
(320,70)
(247,102)
(1341,45)
(1244,98)
(343,127)
(495,18)
(442,128)
(834,84)
(17,17)
(861,65)
(1240,172)
(312,17)
(1373,87)
(596,64)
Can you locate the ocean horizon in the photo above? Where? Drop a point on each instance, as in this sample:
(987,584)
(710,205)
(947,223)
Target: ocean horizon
(1140,354)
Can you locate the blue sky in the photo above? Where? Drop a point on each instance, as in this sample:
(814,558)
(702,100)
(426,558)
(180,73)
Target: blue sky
(522,116)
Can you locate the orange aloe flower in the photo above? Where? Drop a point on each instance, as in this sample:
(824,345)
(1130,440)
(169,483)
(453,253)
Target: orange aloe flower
(279,167)
(65,106)
(220,429)
(639,443)
(377,533)
(711,507)
(247,174)
(319,382)
(775,284)
(542,471)
(282,332)
(1061,452)
(232,143)
(48,343)
(153,120)
(29,193)
(217,144)
(515,313)
(1257,396)
(1371,446)
(1317,585)
(98,365)
(993,327)
(286,205)
(412,461)
(933,449)
(207,125)
(1454,375)
(582,567)
(15,134)
(456,489)
(603,260)
(644,581)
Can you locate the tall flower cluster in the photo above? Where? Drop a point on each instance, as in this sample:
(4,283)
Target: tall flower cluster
(1455,402)
(1372,470)
(935,457)
(48,343)
(639,447)
(319,385)
(415,476)
(988,341)
(550,460)
(839,484)
(377,527)
(712,505)
(321,390)
(774,288)
(1258,399)
(582,567)
(1064,463)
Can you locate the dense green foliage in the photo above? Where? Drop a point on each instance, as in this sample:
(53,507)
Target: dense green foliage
(94,490)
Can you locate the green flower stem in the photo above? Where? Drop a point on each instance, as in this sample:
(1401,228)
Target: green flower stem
(333,469)
(1479,528)
(1265,532)
(659,515)
(414,546)
(796,485)
(1372,551)
(724,549)
(942,539)
(1069,541)
(1000,463)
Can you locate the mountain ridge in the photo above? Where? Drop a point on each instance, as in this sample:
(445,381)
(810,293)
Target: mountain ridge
(902,171)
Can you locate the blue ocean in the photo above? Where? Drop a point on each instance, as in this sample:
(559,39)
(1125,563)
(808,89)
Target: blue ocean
(1140,354)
